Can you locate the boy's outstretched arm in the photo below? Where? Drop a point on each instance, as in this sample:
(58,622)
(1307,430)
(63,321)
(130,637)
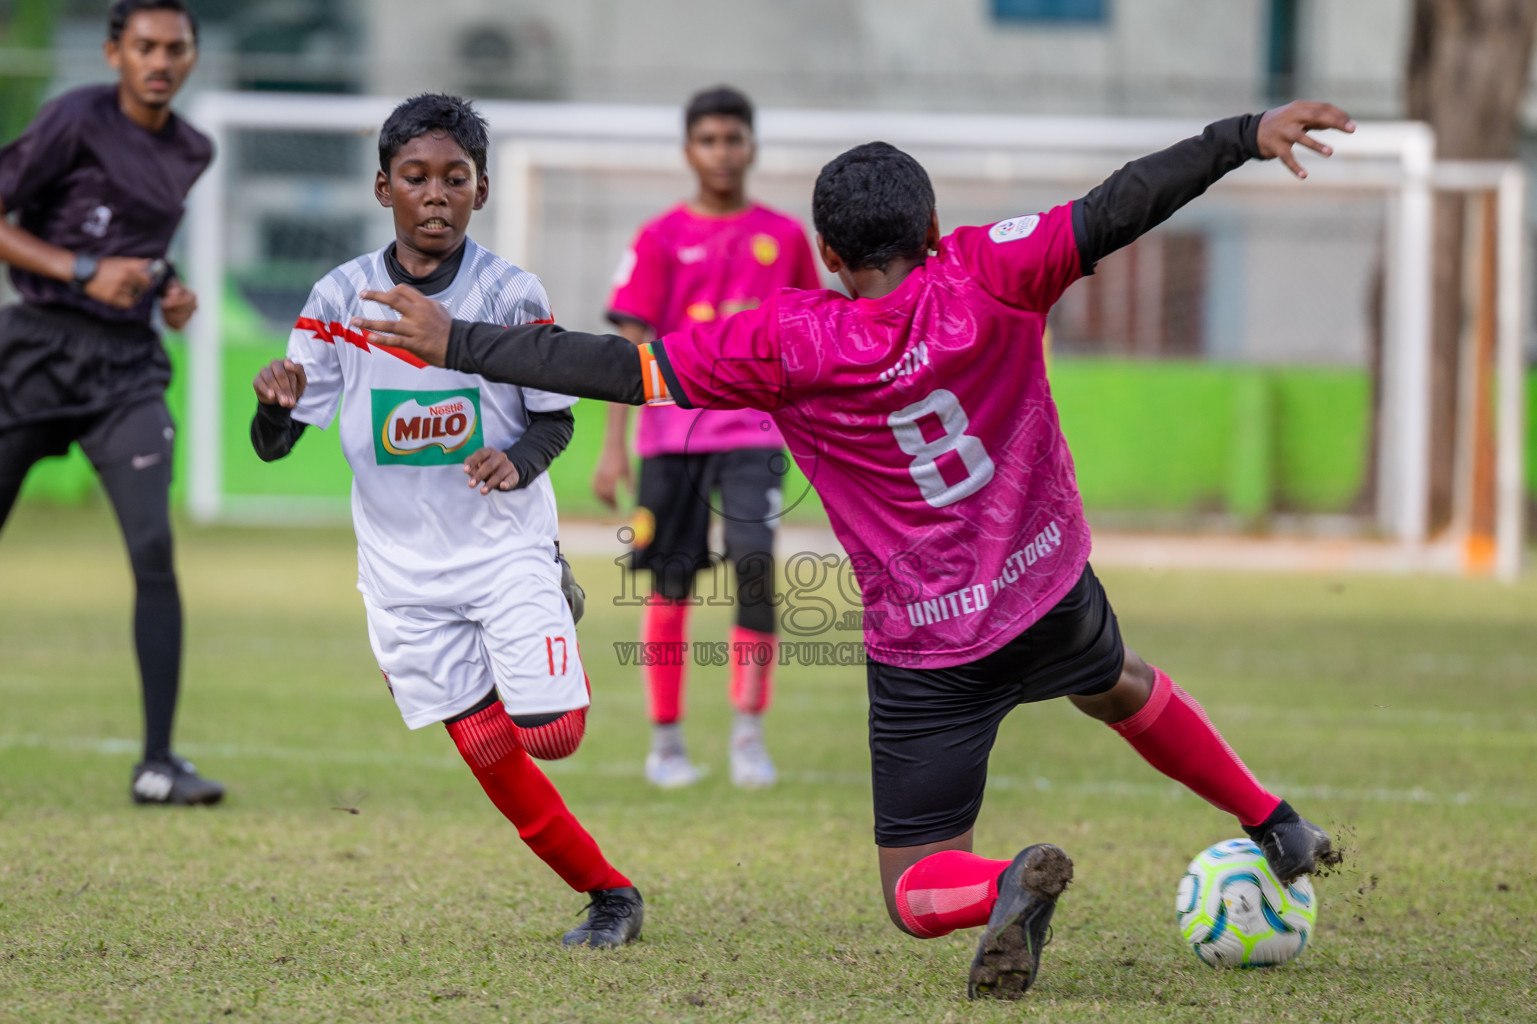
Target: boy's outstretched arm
(544,356)
(1147,191)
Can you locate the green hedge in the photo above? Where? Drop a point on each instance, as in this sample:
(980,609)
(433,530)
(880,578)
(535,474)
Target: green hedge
(1175,436)
(1152,436)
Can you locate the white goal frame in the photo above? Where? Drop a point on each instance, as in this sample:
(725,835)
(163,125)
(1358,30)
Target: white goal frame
(530,139)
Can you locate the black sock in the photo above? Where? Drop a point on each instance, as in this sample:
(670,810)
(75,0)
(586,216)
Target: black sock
(140,496)
(157,639)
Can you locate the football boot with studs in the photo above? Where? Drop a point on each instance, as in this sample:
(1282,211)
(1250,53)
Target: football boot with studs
(1008,958)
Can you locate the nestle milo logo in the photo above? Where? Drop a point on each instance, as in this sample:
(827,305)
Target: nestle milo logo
(414,427)
(426,428)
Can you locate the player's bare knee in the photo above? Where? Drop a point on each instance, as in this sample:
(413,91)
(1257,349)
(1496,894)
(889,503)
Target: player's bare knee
(1137,674)
(896,919)
(889,891)
(1131,691)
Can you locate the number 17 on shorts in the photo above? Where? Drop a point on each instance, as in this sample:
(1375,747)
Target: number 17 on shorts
(556,651)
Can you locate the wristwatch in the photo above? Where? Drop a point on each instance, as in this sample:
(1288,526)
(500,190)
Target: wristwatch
(84,270)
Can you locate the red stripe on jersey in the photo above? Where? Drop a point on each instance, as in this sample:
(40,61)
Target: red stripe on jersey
(333,332)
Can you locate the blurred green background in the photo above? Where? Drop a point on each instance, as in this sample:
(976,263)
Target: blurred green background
(1169,436)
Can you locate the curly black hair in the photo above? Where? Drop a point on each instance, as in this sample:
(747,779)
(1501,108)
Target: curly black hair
(430,112)
(873,204)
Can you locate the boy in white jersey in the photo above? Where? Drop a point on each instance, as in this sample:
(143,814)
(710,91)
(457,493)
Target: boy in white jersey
(460,578)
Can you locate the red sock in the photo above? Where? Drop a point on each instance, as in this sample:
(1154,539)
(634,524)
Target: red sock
(560,738)
(752,684)
(554,740)
(521,791)
(1173,733)
(664,624)
(948,890)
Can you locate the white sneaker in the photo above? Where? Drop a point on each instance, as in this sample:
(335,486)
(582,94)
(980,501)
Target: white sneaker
(671,769)
(751,766)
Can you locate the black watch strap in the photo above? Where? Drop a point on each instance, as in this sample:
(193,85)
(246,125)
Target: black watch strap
(84,270)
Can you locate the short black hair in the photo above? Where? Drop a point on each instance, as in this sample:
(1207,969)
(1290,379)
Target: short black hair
(120,12)
(873,204)
(431,112)
(721,101)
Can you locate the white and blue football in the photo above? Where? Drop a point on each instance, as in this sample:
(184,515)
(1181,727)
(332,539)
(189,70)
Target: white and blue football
(1234,912)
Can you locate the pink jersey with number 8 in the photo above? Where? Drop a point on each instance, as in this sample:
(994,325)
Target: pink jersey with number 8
(924,420)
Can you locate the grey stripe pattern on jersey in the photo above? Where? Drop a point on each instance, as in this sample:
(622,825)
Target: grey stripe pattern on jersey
(487,288)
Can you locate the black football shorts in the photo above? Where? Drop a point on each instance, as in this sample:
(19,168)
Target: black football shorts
(139,434)
(931,730)
(675,497)
(57,363)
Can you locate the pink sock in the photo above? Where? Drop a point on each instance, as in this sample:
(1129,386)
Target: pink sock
(948,890)
(662,631)
(1174,735)
(752,684)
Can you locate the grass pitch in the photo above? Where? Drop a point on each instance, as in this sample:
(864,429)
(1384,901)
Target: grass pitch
(1399,712)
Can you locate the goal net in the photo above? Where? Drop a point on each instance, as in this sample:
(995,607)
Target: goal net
(1217,372)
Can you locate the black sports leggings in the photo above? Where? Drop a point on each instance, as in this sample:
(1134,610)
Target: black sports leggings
(138,485)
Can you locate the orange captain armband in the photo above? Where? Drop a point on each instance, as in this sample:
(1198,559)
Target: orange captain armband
(651,378)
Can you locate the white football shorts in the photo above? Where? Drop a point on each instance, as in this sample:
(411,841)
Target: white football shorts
(440,661)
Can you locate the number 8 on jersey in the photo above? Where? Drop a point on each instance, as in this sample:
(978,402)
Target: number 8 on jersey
(907,426)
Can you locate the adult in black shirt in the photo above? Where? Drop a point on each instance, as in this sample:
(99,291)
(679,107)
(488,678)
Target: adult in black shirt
(97,185)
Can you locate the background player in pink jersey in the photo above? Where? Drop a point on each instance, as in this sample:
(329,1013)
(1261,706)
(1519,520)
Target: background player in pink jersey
(716,254)
(920,408)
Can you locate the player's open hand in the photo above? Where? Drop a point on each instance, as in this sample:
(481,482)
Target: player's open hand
(177,304)
(612,469)
(422,328)
(491,470)
(120,281)
(1284,127)
(280,382)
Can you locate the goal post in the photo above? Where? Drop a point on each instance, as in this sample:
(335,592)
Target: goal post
(570,184)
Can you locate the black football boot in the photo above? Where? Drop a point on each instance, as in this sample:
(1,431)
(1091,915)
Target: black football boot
(614,917)
(1292,845)
(1009,952)
(172,780)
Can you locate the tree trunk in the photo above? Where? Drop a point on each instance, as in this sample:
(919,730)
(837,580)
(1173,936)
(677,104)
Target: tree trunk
(1365,503)
(1467,71)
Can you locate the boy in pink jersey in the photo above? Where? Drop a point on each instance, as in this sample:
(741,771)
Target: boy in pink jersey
(703,260)
(920,408)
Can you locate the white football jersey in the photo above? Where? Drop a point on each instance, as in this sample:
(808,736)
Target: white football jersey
(425,537)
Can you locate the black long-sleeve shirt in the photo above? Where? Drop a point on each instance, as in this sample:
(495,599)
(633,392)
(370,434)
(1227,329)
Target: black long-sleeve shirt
(1122,208)
(1146,192)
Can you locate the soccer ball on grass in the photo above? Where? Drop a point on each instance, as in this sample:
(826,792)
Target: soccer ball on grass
(1234,912)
